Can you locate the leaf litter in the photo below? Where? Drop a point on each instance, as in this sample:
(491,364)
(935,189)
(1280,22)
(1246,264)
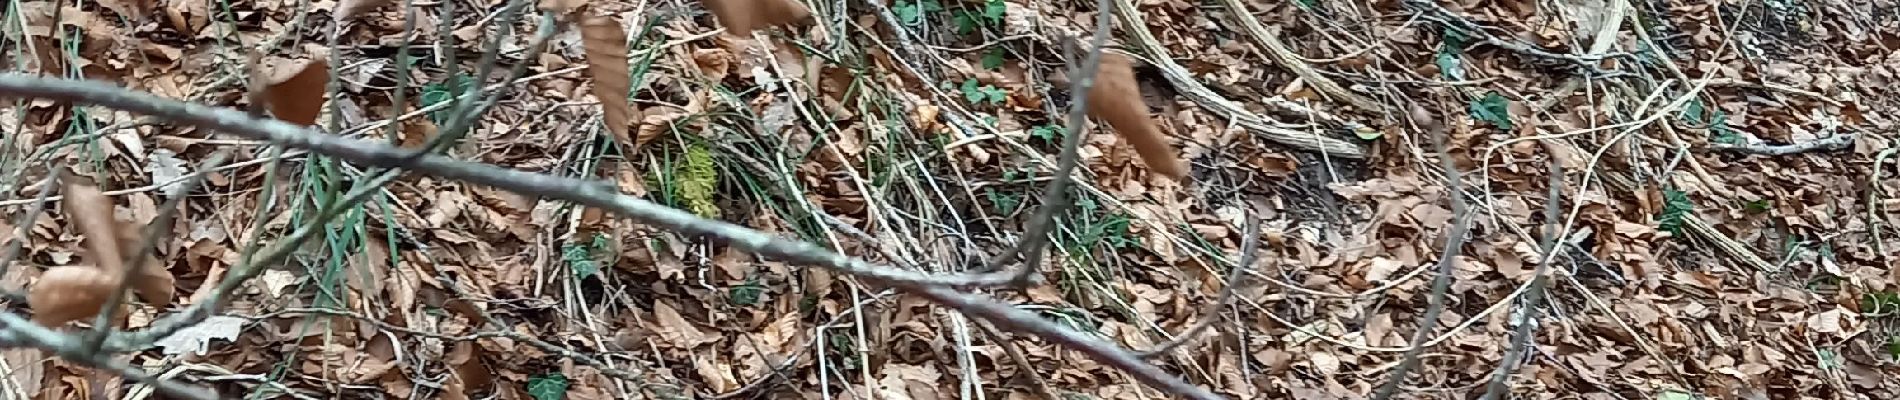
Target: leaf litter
(927,138)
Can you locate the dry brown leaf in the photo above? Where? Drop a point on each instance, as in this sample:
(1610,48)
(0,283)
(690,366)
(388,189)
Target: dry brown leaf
(676,329)
(154,283)
(348,9)
(1115,98)
(69,293)
(605,42)
(741,17)
(90,211)
(294,89)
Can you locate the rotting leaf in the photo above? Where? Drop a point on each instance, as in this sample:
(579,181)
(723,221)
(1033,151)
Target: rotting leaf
(605,42)
(1115,98)
(294,89)
(741,17)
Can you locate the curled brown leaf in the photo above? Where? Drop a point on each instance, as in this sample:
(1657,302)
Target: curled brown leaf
(294,89)
(69,293)
(605,42)
(1116,98)
(90,211)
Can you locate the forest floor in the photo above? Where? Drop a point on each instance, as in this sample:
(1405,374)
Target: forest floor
(1715,170)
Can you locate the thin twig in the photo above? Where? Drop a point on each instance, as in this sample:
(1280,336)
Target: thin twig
(21,229)
(1446,257)
(19,331)
(1521,338)
(1249,244)
(1055,197)
(1015,352)
(599,195)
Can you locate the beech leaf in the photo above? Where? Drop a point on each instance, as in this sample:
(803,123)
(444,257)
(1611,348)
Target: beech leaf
(294,89)
(605,42)
(90,211)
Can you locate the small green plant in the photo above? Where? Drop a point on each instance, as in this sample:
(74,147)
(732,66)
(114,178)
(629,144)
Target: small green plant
(698,177)
(1492,108)
(749,293)
(1676,208)
(993,59)
(1046,132)
(1005,203)
(1699,114)
(582,258)
(438,92)
(549,386)
(976,92)
(912,12)
(1450,57)
(990,16)
(1876,304)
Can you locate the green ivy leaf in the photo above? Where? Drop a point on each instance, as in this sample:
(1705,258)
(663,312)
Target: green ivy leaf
(1045,132)
(550,386)
(1492,108)
(1676,208)
(580,259)
(994,10)
(970,91)
(909,13)
(994,58)
(996,96)
(966,23)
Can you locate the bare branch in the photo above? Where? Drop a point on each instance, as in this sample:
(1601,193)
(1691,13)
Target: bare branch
(1521,337)
(1249,245)
(1055,197)
(597,195)
(1454,189)
(15,330)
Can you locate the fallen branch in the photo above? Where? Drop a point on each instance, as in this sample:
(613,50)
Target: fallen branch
(1830,143)
(934,288)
